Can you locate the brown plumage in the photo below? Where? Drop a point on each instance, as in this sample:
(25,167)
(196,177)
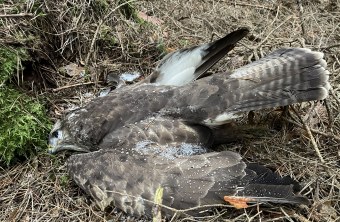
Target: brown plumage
(158,133)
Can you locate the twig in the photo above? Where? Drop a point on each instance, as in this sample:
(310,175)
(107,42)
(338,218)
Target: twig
(314,130)
(93,41)
(334,96)
(11,42)
(16,15)
(74,85)
(330,115)
(301,218)
(312,139)
(287,216)
(301,19)
(330,168)
(310,135)
(252,5)
(330,46)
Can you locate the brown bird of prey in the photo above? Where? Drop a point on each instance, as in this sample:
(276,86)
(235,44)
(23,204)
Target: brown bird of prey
(158,134)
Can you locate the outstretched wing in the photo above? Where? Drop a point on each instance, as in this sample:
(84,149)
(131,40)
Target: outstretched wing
(130,182)
(185,65)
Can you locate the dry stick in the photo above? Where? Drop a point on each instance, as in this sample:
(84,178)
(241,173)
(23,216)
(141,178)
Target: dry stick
(334,96)
(74,85)
(329,114)
(310,135)
(18,70)
(301,18)
(287,216)
(314,130)
(92,42)
(337,61)
(16,15)
(255,6)
(301,218)
(329,47)
(22,207)
(11,41)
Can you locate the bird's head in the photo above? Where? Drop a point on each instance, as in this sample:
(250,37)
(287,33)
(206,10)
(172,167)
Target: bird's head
(60,139)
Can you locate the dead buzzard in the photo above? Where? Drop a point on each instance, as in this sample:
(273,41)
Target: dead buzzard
(159,133)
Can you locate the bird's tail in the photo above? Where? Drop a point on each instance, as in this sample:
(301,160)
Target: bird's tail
(284,77)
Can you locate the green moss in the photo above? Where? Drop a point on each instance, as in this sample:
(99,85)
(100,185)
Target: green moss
(129,11)
(183,43)
(64,180)
(161,49)
(101,5)
(9,62)
(106,35)
(23,121)
(24,125)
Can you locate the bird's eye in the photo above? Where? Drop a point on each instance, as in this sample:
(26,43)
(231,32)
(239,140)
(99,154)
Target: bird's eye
(55,134)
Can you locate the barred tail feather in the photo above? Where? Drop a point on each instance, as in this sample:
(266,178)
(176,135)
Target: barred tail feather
(284,77)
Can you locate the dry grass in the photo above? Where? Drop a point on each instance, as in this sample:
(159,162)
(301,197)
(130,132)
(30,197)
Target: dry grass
(305,146)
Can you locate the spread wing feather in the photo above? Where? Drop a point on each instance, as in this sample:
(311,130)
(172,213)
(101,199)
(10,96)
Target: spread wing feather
(130,182)
(184,66)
